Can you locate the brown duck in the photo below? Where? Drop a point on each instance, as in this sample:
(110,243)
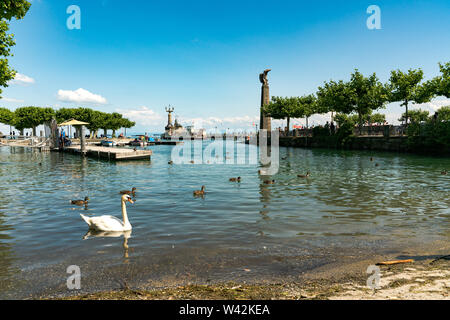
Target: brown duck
(200,192)
(304,175)
(132,192)
(80,202)
(238,179)
(444,172)
(269,181)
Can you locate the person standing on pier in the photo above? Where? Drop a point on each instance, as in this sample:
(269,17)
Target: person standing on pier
(62,137)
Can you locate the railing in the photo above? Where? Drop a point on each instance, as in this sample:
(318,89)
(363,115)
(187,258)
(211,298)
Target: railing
(371,131)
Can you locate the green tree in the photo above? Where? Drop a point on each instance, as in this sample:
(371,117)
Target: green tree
(366,95)
(96,122)
(341,118)
(307,106)
(115,121)
(8,9)
(64,114)
(407,87)
(416,116)
(31,117)
(127,124)
(443,85)
(14,9)
(6,116)
(377,118)
(444,113)
(282,108)
(105,121)
(353,119)
(334,97)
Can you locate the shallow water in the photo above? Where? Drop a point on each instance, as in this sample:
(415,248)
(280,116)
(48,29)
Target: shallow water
(237,231)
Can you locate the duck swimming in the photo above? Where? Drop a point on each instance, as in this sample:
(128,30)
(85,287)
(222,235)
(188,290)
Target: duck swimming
(304,175)
(238,179)
(269,181)
(110,223)
(80,202)
(444,172)
(200,192)
(132,192)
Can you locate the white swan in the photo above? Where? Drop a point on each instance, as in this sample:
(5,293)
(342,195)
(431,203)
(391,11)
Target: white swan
(110,223)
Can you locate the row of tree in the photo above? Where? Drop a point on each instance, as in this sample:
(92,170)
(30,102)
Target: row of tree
(31,117)
(362,95)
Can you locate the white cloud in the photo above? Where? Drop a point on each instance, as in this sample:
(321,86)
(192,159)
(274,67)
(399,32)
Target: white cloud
(22,79)
(433,105)
(81,95)
(11,100)
(143,116)
(232,122)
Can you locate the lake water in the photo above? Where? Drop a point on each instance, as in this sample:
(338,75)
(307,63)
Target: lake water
(238,231)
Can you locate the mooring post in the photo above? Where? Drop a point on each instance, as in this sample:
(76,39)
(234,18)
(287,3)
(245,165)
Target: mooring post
(82,141)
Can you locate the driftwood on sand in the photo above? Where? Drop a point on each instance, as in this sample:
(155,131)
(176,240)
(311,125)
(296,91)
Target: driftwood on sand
(387,263)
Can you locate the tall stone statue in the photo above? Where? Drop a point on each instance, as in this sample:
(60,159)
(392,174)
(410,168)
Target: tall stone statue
(264,122)
(263,77)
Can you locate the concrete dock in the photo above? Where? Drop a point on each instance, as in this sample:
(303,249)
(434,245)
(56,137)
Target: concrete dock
(111,153)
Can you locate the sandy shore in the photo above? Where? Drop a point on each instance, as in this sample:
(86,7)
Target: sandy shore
(426,278)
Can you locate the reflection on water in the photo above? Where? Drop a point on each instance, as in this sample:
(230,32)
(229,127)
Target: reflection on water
(111,234)
(346,203)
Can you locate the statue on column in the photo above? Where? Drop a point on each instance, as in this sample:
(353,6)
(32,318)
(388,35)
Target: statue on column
(263,77)
(265,122)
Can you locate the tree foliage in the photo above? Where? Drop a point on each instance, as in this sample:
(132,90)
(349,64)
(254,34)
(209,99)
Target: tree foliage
(31,117)
(13,9)
(443,84)
(366,94)
(443,114)
(6,116)
(430,137)
(281,108)
(416,116)
(8,9)
(334,97)
(407,87)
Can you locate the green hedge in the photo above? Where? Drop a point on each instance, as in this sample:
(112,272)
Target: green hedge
(430,137)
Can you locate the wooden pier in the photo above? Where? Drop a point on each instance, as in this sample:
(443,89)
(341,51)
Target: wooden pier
(111,153)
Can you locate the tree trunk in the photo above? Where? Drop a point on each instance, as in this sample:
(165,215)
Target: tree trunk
(34,131)
(114,133)
(406,114)
(360,123)
(288,122)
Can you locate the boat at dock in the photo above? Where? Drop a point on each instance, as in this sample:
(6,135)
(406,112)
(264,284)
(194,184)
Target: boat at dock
(107,143)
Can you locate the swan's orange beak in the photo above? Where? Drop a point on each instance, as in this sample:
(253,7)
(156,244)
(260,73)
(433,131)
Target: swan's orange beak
(130,201)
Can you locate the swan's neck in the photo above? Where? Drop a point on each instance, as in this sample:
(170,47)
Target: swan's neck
(126,223)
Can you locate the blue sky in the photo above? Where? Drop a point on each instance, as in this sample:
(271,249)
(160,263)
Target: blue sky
(204,57)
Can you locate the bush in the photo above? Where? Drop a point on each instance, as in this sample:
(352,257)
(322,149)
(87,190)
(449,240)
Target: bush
(430,137)
(344,131)
(320,132)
